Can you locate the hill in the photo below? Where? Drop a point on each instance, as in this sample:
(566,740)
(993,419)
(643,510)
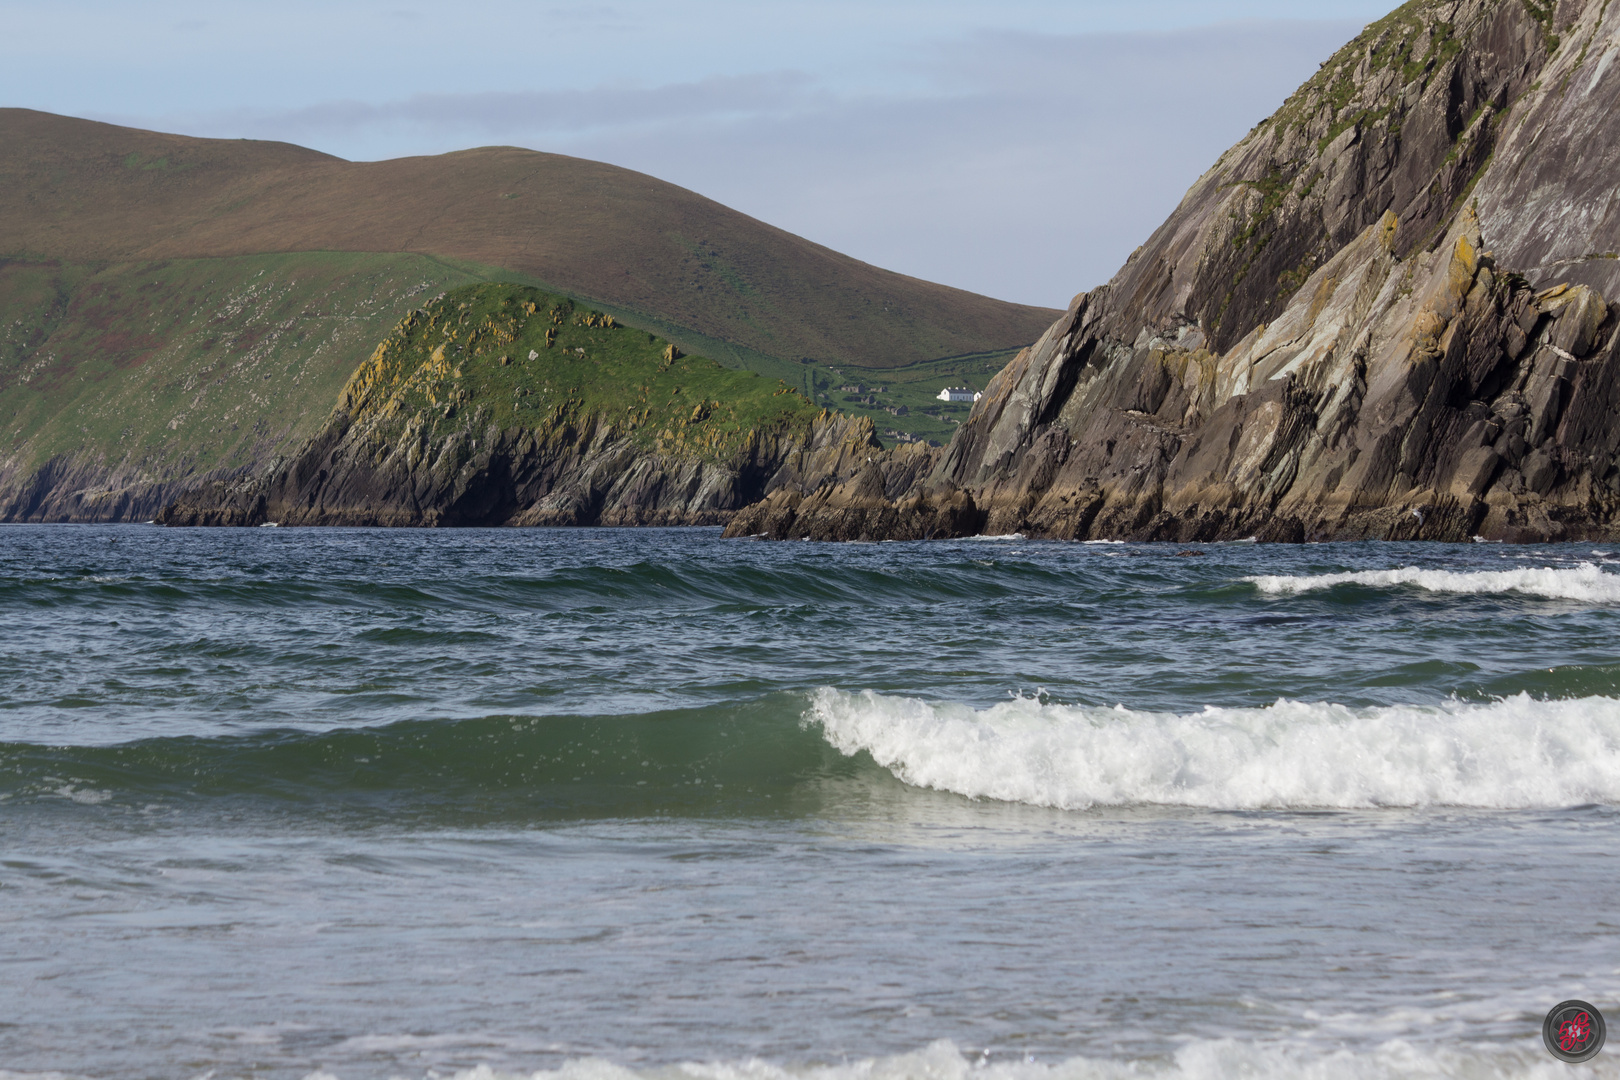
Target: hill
(1385,313)
(173,309)
(499,404)
(81,191)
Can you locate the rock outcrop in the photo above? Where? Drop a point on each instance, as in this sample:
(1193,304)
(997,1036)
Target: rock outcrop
(585,471)
(501,405)
(1382,314)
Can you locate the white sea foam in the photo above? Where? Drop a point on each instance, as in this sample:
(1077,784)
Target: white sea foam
(1201,1060)
(83,796)
(1517,753)
(1587,581)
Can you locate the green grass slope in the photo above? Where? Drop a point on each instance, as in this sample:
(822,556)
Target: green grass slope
(502,404)
(168,369)
(519,358)
(142,376)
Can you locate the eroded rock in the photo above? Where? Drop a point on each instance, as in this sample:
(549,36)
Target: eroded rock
(1344,331)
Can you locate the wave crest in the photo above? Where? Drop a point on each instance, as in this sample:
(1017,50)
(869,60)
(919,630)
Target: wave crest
(1586,581)
(1514,754)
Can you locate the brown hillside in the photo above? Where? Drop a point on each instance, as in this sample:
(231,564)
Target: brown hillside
(78,190)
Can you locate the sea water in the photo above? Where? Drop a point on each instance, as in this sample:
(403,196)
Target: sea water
(622,805)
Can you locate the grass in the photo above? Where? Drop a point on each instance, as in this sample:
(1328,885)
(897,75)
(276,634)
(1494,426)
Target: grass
(161,164)
(1290,282)
(1393,40)
(34,297)
(184,366)
(514,357)
(1542,12)
(915,387)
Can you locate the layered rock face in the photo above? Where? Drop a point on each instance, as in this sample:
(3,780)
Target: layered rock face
(1383,314)
(583,471)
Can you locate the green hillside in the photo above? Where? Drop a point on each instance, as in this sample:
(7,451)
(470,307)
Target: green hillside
(191,365)
(203,365)
(174,309)
(79,191)
(519,358)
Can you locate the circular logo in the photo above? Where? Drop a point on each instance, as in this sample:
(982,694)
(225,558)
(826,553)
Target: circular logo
(1573,1031)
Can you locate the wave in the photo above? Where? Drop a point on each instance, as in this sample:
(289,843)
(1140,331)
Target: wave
(1587,581)
(1206,1059)
(781,755)
(655,585)
(1518,753)
(751,757)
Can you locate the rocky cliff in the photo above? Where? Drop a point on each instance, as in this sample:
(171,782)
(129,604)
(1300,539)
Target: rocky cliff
(503,405)
(1384,313)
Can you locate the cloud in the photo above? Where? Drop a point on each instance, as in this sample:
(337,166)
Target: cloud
(1030,170)
(530,115)
(1021,165)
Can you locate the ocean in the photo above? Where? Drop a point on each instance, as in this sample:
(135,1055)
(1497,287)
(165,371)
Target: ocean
(654,805)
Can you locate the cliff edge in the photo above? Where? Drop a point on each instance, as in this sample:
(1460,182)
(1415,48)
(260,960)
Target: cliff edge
(1384,313)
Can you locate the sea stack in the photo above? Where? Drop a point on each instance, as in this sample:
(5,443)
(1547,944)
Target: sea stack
(1388,312)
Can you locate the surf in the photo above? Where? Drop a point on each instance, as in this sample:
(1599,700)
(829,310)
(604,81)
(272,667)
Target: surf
(1518,753)
(1587,581)
(786,752)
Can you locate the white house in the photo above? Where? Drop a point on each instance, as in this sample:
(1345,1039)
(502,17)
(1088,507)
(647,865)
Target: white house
(959,393)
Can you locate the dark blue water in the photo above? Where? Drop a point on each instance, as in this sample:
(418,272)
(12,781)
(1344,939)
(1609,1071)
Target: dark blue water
(378,803)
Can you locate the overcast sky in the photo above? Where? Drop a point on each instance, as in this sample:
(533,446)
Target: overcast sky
(1020,148)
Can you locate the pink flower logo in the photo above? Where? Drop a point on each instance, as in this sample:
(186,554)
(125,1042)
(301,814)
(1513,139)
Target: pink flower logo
(1575,1032)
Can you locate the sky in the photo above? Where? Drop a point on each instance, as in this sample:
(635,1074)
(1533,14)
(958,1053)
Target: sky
(1017,148)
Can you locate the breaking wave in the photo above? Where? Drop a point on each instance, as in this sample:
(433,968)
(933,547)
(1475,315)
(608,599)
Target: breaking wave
(1587,582)
(778,754)
(1513,754)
